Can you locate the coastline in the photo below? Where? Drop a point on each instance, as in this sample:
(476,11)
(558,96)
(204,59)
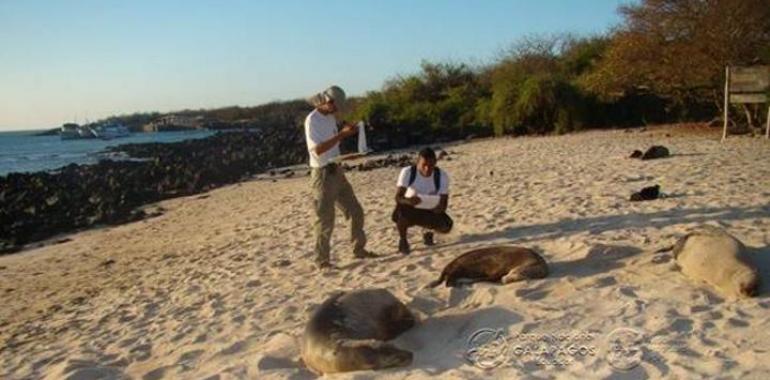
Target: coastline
(41,205)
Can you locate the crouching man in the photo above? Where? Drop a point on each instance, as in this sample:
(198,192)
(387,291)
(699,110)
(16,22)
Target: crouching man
(421,200)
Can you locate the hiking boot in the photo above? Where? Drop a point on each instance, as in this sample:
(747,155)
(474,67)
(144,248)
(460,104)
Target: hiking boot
(364,254)
(427,238)
(403,246)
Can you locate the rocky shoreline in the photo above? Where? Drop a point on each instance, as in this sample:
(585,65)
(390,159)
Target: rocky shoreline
(38,206)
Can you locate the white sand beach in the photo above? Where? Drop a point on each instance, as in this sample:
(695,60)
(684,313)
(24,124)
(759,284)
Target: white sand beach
(221,284)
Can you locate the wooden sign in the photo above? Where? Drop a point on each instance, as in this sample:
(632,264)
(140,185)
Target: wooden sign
(749,80)
(748,98)
(746,85)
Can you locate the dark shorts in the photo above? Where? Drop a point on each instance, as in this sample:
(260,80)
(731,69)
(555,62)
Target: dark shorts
(412,216)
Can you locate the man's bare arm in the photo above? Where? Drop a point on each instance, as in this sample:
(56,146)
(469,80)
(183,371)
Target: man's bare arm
(402,200)
(443,202)
(347,131)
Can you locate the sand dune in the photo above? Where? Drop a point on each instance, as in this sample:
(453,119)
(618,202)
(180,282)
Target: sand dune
(220,285)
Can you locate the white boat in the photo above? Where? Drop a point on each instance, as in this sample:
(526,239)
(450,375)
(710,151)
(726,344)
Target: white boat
(69,131)
(72,131)
(111,131)
(86,132)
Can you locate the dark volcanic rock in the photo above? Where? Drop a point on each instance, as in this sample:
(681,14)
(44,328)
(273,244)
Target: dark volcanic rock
(36,206)
(389,161)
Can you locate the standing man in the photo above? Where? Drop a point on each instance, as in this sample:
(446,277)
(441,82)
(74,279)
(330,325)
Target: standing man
(426,180)
(330,187)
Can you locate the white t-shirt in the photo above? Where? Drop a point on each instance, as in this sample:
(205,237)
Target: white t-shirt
(424,185)
(320,128)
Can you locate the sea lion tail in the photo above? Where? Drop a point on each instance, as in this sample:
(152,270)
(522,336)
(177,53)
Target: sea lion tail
(438,282)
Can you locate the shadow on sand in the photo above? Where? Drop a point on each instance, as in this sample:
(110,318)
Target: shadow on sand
(440,343)
(601,224)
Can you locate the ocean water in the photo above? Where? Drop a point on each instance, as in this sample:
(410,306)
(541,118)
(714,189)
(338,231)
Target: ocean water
(24,152)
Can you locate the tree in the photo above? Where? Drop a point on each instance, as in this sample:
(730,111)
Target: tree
(678,48)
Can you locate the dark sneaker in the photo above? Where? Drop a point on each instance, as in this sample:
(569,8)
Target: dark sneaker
(403,246)
(324,265)
(364,254)
(427,238)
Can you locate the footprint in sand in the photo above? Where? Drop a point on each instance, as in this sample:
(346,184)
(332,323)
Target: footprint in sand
(735,322)
(605,282)
(189,360)
(532,294)
(201,338)
(141,352)
(234,348)
(155,374)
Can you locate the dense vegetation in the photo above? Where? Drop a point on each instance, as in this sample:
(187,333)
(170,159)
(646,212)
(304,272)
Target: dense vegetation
(664,63)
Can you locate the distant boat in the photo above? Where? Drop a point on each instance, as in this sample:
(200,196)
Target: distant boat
(111,131)
(86,132)
(70,131)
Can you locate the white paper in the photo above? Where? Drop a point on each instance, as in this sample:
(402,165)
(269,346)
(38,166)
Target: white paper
(362,148)
(427,201)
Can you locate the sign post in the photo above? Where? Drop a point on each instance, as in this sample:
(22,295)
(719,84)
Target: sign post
(746,85)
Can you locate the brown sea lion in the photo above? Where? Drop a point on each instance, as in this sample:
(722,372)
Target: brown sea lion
(712,255)
(504,264)
(348,332)
(646,194)
(655,152)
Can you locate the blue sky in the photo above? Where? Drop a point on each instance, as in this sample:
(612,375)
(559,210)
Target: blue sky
(66,60)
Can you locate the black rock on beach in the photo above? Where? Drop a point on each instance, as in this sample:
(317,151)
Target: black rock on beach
(36,206)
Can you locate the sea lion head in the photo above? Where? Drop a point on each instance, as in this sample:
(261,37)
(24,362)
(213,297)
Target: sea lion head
(747,283)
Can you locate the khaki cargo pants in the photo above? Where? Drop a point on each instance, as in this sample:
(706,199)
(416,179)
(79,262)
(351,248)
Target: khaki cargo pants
(330,188)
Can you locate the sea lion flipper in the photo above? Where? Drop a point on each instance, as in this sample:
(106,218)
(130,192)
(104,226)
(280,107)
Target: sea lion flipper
(371,354)
(679,245)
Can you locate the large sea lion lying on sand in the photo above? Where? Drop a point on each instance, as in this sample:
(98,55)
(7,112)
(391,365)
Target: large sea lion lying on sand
(712,255)
(504,264)
(348,332)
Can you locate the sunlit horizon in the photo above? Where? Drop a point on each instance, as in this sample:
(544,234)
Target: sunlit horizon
(85,60)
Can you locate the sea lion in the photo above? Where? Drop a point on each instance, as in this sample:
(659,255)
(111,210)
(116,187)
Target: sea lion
(655,152)
(348,332)
(646,194)
(504,264)
(712,255)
